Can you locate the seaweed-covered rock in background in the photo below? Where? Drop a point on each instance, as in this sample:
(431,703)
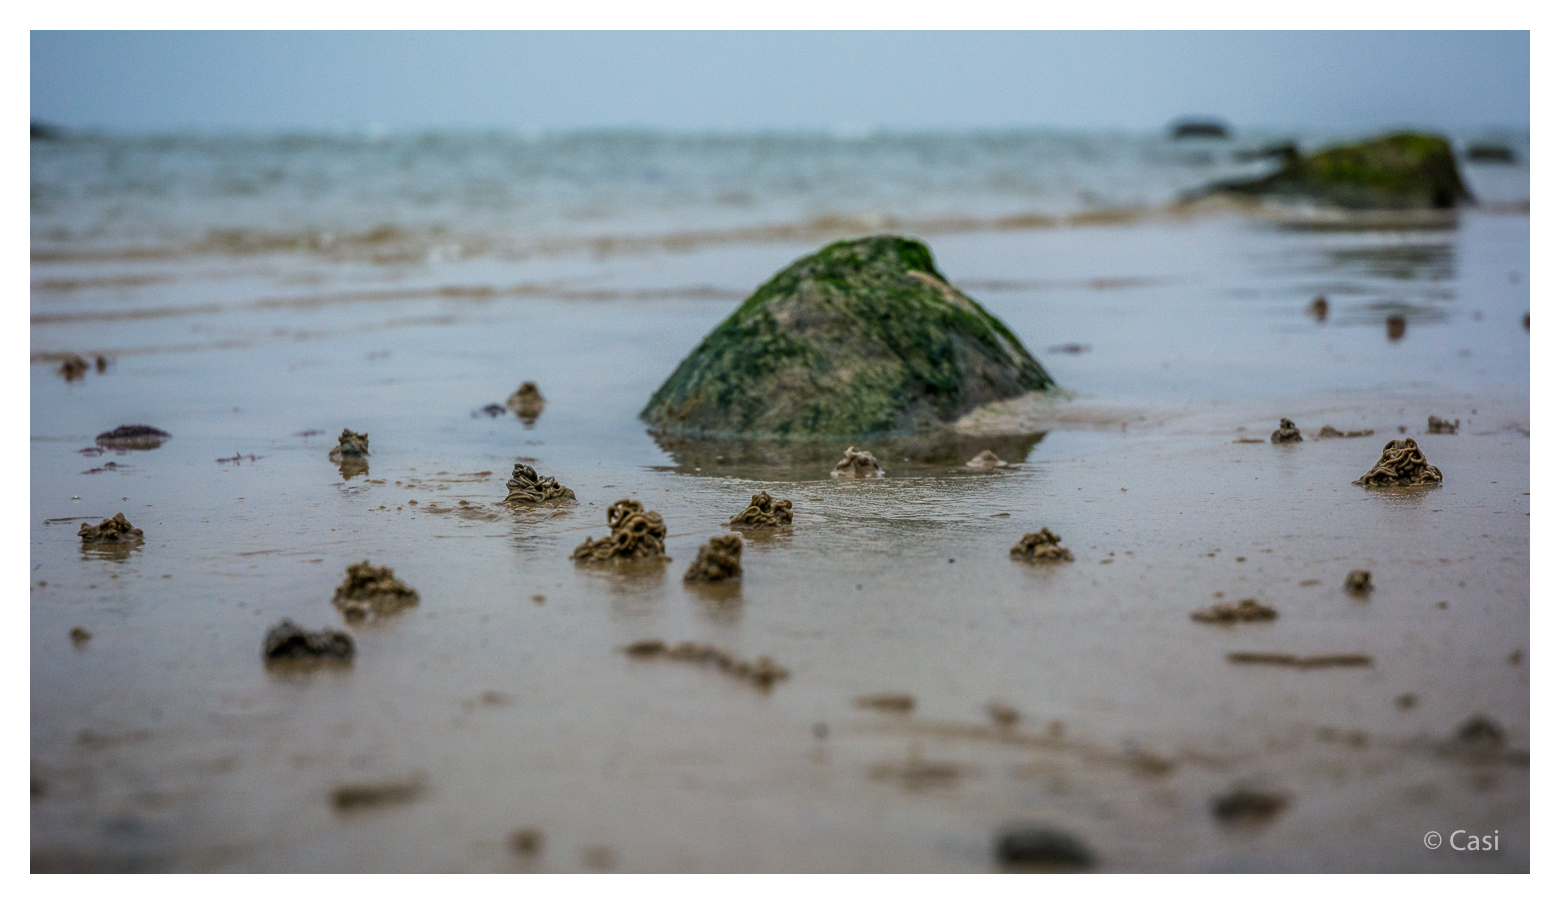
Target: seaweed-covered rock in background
(1287,432)
(1318,308)
(1403,171)
(718,560)
(862,338)
(286,642)
(525,486)
(110,530)
(350,445)
(636,535)
(527,402)
(132,436)
(1437,425)
(1228,613)
(1042,546)
(764,511)
(1358,582)
(370,591)
(857,463)
(1401,465)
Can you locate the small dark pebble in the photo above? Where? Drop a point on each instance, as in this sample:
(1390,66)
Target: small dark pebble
(355,797)
(1038,846)
(79,637)
(526,842)
(1358,583)
(1406,701)
(1246,805)
(1480,732)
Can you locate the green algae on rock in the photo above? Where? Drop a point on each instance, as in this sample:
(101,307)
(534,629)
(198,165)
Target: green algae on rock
(1402,171)
(863,338)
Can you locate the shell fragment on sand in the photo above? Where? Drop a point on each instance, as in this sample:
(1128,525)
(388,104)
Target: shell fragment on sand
(857,463)
(637,535)
(1042,546)
(1402,464)
(110,530)
(370,591)
(764,511)
(526,487)
(350,445)
(718,560)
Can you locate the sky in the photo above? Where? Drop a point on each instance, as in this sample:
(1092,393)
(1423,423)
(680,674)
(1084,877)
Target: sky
(728,81)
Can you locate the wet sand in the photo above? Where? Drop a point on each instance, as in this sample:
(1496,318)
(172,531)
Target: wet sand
(505,700)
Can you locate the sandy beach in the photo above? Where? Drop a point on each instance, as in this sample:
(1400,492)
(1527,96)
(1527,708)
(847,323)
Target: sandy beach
(1081,695)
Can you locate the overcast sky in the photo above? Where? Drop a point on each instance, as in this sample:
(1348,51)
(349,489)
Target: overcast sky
(688,81)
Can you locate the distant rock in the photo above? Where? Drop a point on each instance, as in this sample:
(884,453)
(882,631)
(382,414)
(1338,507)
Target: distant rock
(1490,152)
(42,131)
(863,338)
(1403,171)
(1199,128)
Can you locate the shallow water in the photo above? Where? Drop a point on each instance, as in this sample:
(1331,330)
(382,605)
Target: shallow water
(164,744)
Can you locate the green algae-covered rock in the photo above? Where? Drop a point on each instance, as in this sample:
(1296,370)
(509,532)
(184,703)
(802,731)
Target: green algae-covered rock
(863,338)
(1405,171)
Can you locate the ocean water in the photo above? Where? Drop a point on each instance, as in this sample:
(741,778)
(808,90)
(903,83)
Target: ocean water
(255,295)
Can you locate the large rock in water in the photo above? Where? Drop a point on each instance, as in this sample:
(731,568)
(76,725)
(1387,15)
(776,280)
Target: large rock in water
(1405,171)
(863,338)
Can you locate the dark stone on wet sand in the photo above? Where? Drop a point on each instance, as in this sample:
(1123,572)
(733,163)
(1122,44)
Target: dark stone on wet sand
(1038,846)
(287,642)
(863,338)
(132,436)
